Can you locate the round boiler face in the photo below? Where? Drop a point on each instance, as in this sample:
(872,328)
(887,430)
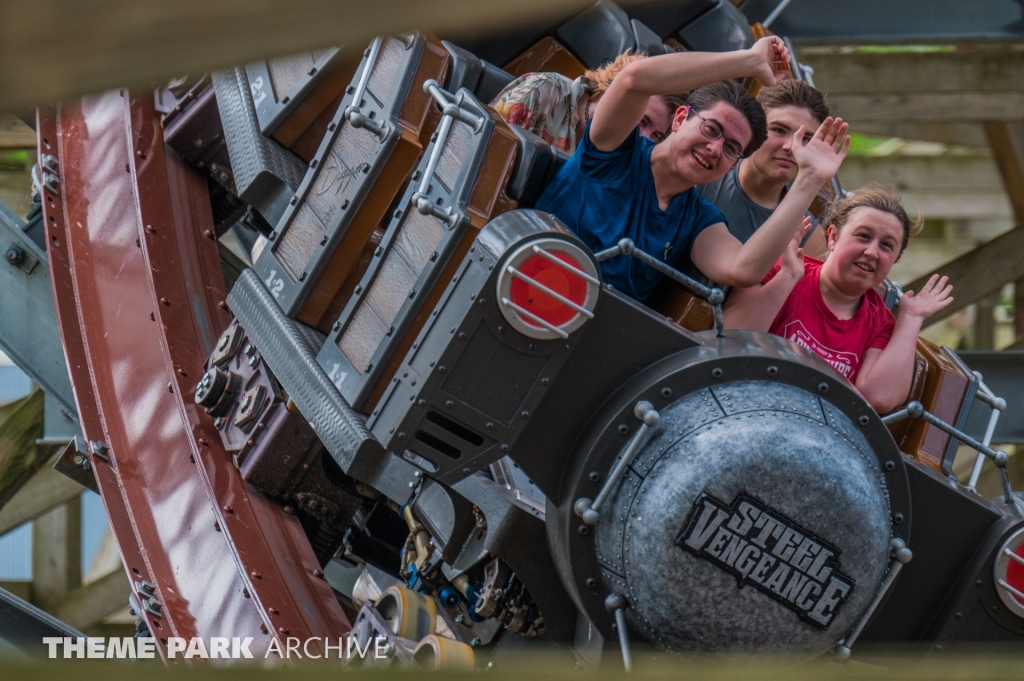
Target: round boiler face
(755,518)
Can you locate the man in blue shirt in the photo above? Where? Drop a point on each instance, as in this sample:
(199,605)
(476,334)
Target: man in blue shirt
(619,184)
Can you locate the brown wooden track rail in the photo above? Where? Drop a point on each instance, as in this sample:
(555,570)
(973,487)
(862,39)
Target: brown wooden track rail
(139,294)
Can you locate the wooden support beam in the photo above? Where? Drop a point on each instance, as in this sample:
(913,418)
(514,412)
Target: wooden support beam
(14,134)
(57,552)
(91,604)
(46,490)
(959,69)
(985,324)
(21,424)
(1007,143)
(981,272)
(959,134)
(967,174)
(54,50)
(958,86)
(945,186)
(936,107)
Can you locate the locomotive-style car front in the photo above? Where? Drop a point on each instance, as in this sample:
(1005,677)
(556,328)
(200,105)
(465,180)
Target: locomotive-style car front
(432,377)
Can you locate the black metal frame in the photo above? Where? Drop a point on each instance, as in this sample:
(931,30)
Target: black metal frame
(291,291)
(270,111)
(355,383)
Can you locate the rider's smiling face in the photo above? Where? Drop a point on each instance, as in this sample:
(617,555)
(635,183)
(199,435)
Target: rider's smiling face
(863,251)
(696,159)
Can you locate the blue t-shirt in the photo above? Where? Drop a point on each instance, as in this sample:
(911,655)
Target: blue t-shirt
(606,196)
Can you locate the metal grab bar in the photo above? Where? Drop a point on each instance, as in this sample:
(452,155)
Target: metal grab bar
(916,410)
(713,296)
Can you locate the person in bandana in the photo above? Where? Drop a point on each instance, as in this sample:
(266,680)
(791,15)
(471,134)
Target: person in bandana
(557,108)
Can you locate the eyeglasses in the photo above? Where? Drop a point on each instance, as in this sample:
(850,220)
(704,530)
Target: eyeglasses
(731,149)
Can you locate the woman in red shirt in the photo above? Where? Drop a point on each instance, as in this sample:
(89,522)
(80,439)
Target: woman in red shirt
(832,307)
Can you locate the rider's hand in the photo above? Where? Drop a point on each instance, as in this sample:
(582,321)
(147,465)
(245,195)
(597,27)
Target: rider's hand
(824,153)
(932,297)
(793,256)
(773,60)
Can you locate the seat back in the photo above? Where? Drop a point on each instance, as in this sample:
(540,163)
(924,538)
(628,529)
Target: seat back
(946,387)
(722,28)
(599,34)
(361,166)
(483,79)
(263,172)
(296,96)
(457,187)
(682,307)
(546,55)
(536,165)
(667,17)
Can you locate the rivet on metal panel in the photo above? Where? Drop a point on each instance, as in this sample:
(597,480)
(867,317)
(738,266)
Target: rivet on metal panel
(208,233)
(203,441)
(289,510)
(151,229)
(255,575)
(283,631)
(164,301)
(228,509)
(273,611)
(318,573)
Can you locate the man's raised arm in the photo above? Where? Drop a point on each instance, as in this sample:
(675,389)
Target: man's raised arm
(724,260)
(622,107)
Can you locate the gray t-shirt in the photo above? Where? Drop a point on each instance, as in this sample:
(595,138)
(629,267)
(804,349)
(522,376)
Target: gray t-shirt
(743,215)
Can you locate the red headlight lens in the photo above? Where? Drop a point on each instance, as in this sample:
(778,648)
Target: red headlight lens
(558,279)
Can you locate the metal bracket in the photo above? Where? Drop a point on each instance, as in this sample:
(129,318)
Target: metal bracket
(713,296)
(354,116)
(998,405)
(901,555)
(591,511)
(74,463)
(616,604)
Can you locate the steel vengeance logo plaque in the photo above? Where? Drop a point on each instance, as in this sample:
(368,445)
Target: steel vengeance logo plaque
(763,548)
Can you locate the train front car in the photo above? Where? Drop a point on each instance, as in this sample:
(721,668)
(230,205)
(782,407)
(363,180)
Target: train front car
(430,381)
(727,493)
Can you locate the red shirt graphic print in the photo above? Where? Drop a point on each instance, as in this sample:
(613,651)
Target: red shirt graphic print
(806,320)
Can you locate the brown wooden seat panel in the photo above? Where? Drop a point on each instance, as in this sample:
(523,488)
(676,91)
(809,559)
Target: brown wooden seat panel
(546,55)
(418,120)
(487,201)
(304,92)
(470,168)
(682,307)
(945,386)
(315,258)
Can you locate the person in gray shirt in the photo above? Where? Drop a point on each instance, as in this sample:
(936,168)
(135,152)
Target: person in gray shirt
(751,191)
